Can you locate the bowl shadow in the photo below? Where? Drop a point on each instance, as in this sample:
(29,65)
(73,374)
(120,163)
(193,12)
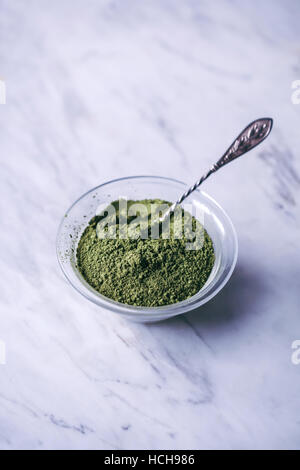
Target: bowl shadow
(236,301)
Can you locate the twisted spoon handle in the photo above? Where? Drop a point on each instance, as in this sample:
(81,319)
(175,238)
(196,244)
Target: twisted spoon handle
(249,138)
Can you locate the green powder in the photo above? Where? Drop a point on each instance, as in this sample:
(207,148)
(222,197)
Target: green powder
(145,272)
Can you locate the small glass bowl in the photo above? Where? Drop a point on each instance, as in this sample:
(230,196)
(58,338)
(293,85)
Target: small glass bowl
(216,222)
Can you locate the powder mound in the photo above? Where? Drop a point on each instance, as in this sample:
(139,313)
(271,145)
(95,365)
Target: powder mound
(145,272)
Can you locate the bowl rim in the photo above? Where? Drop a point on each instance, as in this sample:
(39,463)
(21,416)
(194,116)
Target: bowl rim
(162,311)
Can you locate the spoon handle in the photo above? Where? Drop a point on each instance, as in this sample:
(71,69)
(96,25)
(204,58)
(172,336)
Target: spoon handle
(249,138)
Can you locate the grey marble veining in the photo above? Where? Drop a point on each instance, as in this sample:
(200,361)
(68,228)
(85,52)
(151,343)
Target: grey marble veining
(102,89)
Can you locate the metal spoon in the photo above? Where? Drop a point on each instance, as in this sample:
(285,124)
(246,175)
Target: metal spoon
(249,138)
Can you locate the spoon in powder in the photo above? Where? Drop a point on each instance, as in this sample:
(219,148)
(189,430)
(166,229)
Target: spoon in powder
(249,138)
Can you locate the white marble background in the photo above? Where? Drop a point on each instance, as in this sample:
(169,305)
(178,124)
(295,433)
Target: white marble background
(103,89)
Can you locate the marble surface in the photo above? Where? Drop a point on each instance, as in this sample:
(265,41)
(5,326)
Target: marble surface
(103,89)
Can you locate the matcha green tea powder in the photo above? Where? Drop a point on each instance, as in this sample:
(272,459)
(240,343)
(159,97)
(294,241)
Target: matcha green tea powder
(145,272)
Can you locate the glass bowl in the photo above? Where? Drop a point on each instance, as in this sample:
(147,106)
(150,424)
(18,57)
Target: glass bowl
(214,218)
